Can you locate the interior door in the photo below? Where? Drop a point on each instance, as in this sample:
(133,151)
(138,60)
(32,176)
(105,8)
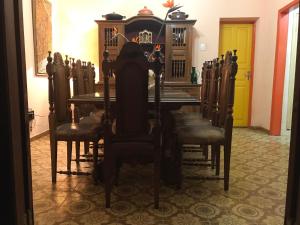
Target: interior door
(292,71)
(15,167)
(239,36)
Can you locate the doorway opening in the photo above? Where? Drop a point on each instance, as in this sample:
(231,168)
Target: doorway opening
(289,79)
(280,68)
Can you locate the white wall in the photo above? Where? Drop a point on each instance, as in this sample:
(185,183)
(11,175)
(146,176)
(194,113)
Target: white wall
(75,34)
(37,86)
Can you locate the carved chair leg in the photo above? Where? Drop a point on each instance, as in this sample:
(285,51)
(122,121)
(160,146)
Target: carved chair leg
(53,147)
(227,153)
(95,160)
(69,156)
(217,159)
(86,147)
(77,147)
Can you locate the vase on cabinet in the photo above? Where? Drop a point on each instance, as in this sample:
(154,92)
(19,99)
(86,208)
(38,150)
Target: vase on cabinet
(194,75)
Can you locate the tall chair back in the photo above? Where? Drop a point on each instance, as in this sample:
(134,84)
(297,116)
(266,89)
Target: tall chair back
(131,91)
(226,92)
(60,88)
(205,75)
(213,90)
(89,78)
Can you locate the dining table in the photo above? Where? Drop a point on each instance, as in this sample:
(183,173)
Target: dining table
(170,99)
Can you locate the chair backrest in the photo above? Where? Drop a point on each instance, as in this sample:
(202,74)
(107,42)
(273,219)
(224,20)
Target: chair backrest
(83,77)
(89,78)
(213,90)
(226,91)
(78,85)
(59,88)
(131,74)
(205,75)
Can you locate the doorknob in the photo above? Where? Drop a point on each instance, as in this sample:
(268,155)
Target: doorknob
(248,75)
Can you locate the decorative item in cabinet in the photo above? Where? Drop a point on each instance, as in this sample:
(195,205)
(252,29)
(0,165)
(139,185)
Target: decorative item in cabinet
(145,37)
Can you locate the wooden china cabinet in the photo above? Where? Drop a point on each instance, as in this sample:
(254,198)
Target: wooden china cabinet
(175,42)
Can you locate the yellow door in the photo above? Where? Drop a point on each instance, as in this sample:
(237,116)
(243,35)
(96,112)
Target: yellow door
(239,36)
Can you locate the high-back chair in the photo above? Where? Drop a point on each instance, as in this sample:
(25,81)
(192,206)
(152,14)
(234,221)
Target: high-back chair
(205,87)
(132,135)
(207,116)
(61,126)
(219,133)
(83,83)
(89,77)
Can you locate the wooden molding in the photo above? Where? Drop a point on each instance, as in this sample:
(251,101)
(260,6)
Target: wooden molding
(39,135)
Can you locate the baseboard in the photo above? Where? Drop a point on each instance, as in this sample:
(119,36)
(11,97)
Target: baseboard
(260,129)
(39,135)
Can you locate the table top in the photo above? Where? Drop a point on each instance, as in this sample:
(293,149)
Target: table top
(168,95)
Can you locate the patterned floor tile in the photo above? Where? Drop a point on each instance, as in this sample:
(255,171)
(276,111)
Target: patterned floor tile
(256,195)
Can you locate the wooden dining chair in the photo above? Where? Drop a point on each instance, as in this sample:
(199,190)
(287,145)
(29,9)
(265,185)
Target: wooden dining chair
(210,78)
(219,133)
(132,135)
(89,77)
(61,126)
(83,76)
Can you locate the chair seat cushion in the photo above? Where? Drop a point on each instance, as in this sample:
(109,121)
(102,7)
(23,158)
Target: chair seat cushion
(201,135)
(178,115)
(79,132)
(189,119)
(93,118)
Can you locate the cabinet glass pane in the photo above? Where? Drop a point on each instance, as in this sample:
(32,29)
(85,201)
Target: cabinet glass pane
(178,68)
(109,41)
(179,36)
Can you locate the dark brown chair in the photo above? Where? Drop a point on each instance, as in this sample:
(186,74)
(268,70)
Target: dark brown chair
(61,126)
(210,77)
(89,78)
(83,83)
(219,133)
(133,136)
(209,88)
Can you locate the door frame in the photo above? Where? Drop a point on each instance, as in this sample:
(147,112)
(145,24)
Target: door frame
(245,20)
(15,162)
(279,67)
(292,208)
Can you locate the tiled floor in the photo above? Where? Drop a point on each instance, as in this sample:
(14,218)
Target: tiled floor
(256,195)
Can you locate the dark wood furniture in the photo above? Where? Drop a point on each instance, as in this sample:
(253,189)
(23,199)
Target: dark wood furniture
(171,99)
(61,126)
(219,132)
(133,136)
(206,115)
(83,75)
(175,41)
